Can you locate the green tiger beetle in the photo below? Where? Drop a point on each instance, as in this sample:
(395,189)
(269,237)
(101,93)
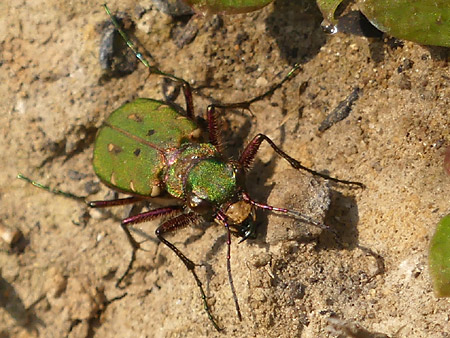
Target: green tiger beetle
(146,148)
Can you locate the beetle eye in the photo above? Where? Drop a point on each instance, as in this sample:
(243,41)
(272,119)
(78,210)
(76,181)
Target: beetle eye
(199,205)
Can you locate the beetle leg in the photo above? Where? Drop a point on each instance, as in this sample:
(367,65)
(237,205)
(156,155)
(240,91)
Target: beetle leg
(213,127)
(246,104)
(187,90)
(176,223)
(188,97)
(213,121)
(249,153)
(143,217)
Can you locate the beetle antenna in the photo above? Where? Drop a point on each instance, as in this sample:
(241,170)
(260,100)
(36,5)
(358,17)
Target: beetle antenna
(52,190)
(220,216)
(139,56)
(129,43)
(153,69)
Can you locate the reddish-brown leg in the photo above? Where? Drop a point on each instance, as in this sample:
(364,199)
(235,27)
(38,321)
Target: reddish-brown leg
(291,213)
(213,122)
(270,91)
(115,202)
(213,127)
(189,101)
(187,91)
(176,223)
(142,217)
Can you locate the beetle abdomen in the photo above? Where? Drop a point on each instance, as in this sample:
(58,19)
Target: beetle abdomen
(129,151)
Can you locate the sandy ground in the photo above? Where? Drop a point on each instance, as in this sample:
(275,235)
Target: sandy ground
(292,280)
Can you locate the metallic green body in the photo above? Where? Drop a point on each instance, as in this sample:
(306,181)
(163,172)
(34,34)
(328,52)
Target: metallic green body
(213,180)
(180,161)
(146,147)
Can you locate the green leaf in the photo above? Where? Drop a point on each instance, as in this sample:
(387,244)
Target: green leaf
(422,21)
(439,258)
(328,7)
(227,6)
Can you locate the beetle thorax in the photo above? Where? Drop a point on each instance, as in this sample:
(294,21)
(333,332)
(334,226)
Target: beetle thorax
(198,174)
(188,164)
(213,180)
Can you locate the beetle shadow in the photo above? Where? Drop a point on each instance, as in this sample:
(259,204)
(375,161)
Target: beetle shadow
(58,149)
(115,57)
(343,217)
(295,25)
(301,42)
(13,304)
